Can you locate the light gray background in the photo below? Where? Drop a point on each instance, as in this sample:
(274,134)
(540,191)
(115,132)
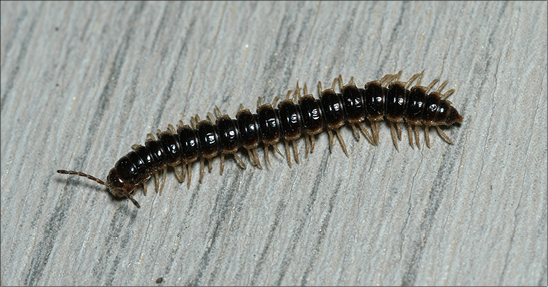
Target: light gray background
(82,82)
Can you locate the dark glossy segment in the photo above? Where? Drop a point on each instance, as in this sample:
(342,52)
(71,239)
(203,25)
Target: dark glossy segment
(312,115)
(268,125)
(374,100)
(228,134)
(443,112)
(190,149)
(290,120)
(332,108)
(146,157)
(354,105)
(158,153)
(170,145)
(207,137)
(415,104)
(139,163)
(453,117)
(430,108)
(396,97)
(249,131)
(126,169)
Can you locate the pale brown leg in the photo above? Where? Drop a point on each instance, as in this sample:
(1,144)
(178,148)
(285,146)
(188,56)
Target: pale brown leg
(313,142)
(443,135)
(341,141)
(163,181)
(145,188)
(251,157)
(277,150)
(420,78)
(257,158)
(441,87)
(355,130)
(157,180)
(135,146)
(209,164)
(431,85)
(287,152)
(393,132)
(171,129)
(178,174)
(222,162)
(366,133)
(307,143)
(189,173)
(330,139)
(410,133)
(375,127)
(447,94)
(296,151)
(399,131)
(411,80)
(242,165)
(266,154)
(417,136)
(276,98)
(427,134)
(201,169)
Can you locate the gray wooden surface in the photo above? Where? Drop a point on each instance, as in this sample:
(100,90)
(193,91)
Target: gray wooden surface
(82,82)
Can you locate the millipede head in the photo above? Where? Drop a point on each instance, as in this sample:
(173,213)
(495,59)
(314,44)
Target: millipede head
(117,186)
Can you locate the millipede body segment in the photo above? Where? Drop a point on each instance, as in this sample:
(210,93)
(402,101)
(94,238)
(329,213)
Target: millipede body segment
(295,116)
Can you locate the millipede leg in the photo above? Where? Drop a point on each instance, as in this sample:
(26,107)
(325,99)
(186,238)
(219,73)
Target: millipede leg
(157,180)
(287,152)
(442,86)
(266,154)
(257,158)
(375,129)
(411,80)
(209,164)
(399,131)
(417,136)
(355,130)
(178,174)
(366,133)
(276,98)
(145,188)
(443,135)
(420,78)
(307,144)
(251,157)
(171,129)
(341,140)
(163,180)
(334,84)
(431,85)
(222,163)
(313,142)
(201,169)
(447,94)
(330,139)
(427,134)
(296,151)
(242,164)
(393,132)
(184,170)
(410,133)
(189,166)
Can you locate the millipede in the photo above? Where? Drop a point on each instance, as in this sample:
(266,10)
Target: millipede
(295,116)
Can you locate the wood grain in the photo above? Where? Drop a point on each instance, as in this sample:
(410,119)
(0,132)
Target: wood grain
(82,82)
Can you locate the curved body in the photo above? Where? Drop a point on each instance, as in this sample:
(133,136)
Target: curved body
(305,116)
